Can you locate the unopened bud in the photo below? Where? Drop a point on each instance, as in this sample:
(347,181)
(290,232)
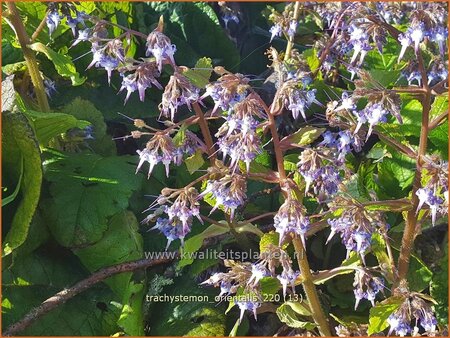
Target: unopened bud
(139,123)
(136,134)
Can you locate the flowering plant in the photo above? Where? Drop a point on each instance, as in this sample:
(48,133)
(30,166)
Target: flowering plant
(331,163)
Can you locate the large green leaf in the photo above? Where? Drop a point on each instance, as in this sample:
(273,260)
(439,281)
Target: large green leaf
(86,190)
(36,277)
(63,63)
(121,243)
(85,110)
(22,160)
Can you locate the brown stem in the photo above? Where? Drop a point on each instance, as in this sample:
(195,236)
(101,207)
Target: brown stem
(411,220)
(39,28)
(16,23)
(308,285)
(205,132)
(438,120)
(66,294)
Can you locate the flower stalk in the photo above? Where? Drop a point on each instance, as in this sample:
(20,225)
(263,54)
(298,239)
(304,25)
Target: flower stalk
(16,23)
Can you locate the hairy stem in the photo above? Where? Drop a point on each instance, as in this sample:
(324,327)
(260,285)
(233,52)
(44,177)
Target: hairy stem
(16,23)
(308,285)
(310,289)
(205,132)
(39,28)
(411,219)
(291,38)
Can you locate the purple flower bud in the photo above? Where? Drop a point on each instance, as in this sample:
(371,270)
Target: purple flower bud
(292,29)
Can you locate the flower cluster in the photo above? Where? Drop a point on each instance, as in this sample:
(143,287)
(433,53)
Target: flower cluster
(243,278)
(283,23)
(227,91)
(413,309)
(228,191)
(162,148)
(58,11)
(179,91)
(160,46)
(237,137)
(175,221)
(355,226)
(425,24)
(318,170)
(434,192)
(144,77)
(291,219)
(366,286)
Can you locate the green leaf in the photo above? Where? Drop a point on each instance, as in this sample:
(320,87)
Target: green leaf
(439,138)
(63,63)
(194,243)
(411,113)
(87,111)
(120,243)
(198,18)
(439,290)
(387,78)
(439,106)
(99,188)
(302,137)
(12,197)
(379,250)
(49,125)
(199,316)
(419,275)
(201,74)
(19,149)
(366,179)
(311,58)
(396,174)
(194,162)
(290,317)
(131,318)
(36,277)
(269,286)
(380,313)
(267,240)
(248,227)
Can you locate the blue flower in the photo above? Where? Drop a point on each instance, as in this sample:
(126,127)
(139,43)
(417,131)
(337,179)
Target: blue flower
(53,19)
